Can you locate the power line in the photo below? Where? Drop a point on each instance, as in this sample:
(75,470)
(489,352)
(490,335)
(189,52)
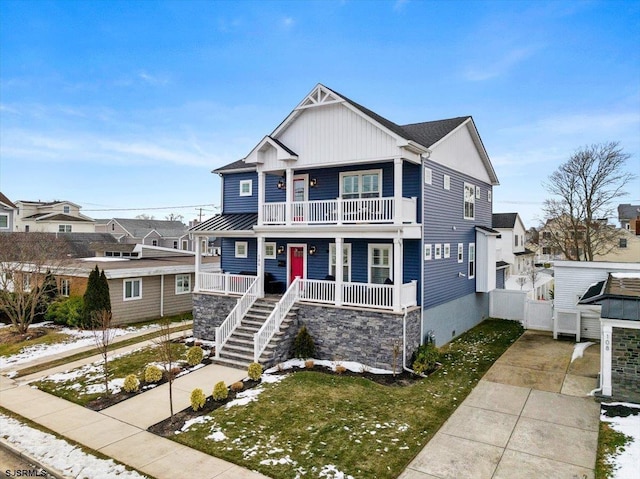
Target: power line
(156,208)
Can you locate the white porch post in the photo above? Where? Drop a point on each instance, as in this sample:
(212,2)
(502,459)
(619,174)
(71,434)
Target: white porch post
(260,267)
(196,285)
(339,271)
(261,195)
(289,194)
(397,273)
(397,191)
(605,361)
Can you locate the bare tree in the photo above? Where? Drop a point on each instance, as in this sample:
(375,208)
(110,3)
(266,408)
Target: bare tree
(25,259)
(103,335)
(174,217)
(145,216)
(167,356)
(585,187)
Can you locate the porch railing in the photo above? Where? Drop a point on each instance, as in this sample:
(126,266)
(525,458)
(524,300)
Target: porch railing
(338,211)
(272,324)
(225,283)
(224,331)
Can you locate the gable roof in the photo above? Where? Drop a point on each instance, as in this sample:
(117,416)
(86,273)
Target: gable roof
(6,201)
(504,220)
(58,217)
(424,134)
(139,228)
(628,211)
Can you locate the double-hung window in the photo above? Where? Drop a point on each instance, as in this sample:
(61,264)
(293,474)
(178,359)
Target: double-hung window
(270,250)
(469,202)
(132,289)
(64,228)
(346,261)
(472,260)
(183,283)
(380,263)
(4,221)
(65,287)
(460,252)
(361,184)
(246,188)
(241,249)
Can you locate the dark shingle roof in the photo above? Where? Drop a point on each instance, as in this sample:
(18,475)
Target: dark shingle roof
(504,220)
(228,222)
(628,212)
(57,217)
(501,264)
(525,252)
(487,230)
(6,201)
(139,228)
(234,166)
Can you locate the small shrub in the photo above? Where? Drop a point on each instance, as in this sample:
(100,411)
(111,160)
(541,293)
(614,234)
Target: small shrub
(220,391)
(340,369)
(66,311)
(152,374)
(309,364)
(197,399)
(425,358)
(237,386)
(131,383)
(303,345)
(254,371)
(194,355)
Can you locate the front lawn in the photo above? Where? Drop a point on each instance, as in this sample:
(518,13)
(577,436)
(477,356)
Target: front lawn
(12,343)
(318,424)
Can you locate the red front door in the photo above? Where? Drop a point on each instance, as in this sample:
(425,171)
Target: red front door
(296,262)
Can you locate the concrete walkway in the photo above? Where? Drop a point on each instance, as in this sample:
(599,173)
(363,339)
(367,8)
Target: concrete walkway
(529,416)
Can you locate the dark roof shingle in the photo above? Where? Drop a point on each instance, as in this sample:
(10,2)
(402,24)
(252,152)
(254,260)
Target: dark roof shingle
(504,220)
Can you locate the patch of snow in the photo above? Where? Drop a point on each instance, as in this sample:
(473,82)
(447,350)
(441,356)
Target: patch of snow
(627,463)
(191,422)
(216,435)
(283,460)
(626,275)
(578,350)
(353,366)
(59,454)
(332,472)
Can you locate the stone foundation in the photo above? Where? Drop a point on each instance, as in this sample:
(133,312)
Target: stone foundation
(625,364)
(209,311)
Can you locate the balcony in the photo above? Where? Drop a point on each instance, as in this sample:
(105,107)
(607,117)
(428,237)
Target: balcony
(339,211)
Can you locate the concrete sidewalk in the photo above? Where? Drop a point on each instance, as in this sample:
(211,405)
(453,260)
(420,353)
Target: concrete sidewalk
(530,416)
(119,431)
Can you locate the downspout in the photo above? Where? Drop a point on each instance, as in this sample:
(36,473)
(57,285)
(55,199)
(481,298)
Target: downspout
(162,295)
(404,342)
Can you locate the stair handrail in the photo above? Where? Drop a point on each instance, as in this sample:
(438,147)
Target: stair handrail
(225,330)
(271,326)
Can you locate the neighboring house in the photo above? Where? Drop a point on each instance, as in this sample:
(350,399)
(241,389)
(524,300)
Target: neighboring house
(7,213)
(163,233)
(627,249)
(387,227)
(628,215)
(145,283)
(618,298)
(52,217)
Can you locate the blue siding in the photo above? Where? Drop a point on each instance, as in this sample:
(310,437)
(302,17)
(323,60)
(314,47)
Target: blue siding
(444,223)
(272,193)
(232,201)
(230,264)
(411,264)
(411,181)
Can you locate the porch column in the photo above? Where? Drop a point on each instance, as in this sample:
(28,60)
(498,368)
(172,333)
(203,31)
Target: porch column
(260,266)
(196,284)
(397,191)
(339,271)
(289,194)
(261,195)
(605,360)
(397,273)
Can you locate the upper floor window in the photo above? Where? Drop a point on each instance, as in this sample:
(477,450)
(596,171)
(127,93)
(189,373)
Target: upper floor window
(4,221)
(428,176)
(66,209)
(460,252)
(516,238)
(246,188)
(184,244)
(469,202)
(446,250)
(623,243)
(64,228)
(154,242)
(546,235)
(361,184)
(113,226)
(446,182)
(489,196)
(175,245)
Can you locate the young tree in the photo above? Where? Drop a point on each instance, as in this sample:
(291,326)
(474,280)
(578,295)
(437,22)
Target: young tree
(25,259)
(167,356)
(103,335)
(96,298)
(585,187)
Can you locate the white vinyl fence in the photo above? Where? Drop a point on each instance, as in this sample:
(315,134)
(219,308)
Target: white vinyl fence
(514,305)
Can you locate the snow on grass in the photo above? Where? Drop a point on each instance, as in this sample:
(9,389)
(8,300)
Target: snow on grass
(59,454)
(77,339)
(353,366)
(578,350)
(627,463)
(197,420)
(245,397)
(332,472)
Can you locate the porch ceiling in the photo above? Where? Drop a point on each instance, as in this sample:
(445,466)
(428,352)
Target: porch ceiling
(342,231)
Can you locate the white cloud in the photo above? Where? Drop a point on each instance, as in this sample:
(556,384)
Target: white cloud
(500,65)
(288,22)
(153,79)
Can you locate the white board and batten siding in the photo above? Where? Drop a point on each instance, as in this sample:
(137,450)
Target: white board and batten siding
(572,278)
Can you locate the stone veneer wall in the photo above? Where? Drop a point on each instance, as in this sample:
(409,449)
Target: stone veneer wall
(209,311)
(625,364)
(356,334)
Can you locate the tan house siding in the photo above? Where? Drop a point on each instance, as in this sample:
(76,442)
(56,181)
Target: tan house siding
(176,303)
(147,307)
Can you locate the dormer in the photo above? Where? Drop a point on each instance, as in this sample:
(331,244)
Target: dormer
(272,153)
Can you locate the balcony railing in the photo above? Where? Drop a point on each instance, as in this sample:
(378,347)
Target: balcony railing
(338,211)
(224,283)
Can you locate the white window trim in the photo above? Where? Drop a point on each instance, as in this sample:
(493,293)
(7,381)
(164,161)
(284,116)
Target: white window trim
(478,193)
(427,252)
(124,289)
(345,247)
(183,291)
(239,244)
(62,228)
(471,260)
(464,201)
(372,246)
(437,253)
(185,244)
(5,227)
(360,173)
(446,182)
(446,250)
(242,184)
(65,284)
(428,176)
(460,252)
(489,195)
(270,244)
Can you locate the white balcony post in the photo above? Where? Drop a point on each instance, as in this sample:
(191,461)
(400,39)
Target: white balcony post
(289,195)
(339,271)
(227,282)
(196,285)
(397,192)
(260,267)
(605,361)
(261,196)
(340,210)
(397,274)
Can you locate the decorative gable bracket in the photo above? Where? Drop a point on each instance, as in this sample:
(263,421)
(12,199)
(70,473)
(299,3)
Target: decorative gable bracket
(269,148)
(318,97)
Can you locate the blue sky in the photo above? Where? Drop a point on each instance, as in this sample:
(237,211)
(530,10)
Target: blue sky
(131,104)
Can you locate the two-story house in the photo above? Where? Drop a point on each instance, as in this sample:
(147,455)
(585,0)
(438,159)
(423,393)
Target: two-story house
(377,234)
(52,217)
(150,232)
(628,216)
(7,213)
(511,243)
